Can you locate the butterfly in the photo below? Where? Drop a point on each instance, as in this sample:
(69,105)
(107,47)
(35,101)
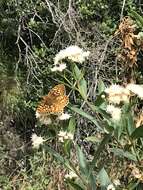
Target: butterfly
(54,102)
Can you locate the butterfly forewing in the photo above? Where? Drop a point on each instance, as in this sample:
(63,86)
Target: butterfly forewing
(54,102)
(58,90)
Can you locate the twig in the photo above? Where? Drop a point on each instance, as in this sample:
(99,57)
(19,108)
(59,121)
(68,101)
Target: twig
(122,11)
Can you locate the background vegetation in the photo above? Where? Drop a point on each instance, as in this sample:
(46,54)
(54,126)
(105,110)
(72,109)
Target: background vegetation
(31,33)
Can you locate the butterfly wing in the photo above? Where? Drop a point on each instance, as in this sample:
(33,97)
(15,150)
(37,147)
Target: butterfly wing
(58,90)
(54,102)
(59,104)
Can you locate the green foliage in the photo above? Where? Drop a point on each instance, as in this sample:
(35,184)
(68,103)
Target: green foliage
(106,13)
(103,178)
(32,32)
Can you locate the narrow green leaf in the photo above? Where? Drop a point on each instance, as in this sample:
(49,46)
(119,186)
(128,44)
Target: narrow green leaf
(122,153)
(93,139)
(101,86)
(133,185)
(119,127)
(59,158)
(100,148)
(84,114)
(92,181)
(98,109)
(72,125)
(74,185)
(130,123)
(67,147)
(84,168)
(137,133)
(77,73)
(137,17)
(82,86)
(99,102)
(82,162)
(81,82)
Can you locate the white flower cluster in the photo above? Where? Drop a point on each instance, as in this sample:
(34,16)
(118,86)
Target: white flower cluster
(117,94)
(64,116)
(136,172)
(73,53)
(46,120)
(136,89)
(112,186)
(36,140)
(71,175)
(43,118)
(63,135)
(59,67)
(114,111)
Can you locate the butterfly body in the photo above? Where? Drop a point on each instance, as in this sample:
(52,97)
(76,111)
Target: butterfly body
(54,102)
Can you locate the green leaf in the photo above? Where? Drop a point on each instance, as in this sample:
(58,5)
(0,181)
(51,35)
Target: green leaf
(127,119)
(58,157)
(100,102)
(130,123)
(81,82)
(137,133)
(100,148)
(84,114)
(67,147)
(77,73)
(72,125)
(101,86)
(133,185)
(139,19)
(119,127)
(93,139)
(85,170)
(70,129)
(82,86)
(92,181)
(122,153)
(75,185)
(98,109)
(82,162)
(103,178)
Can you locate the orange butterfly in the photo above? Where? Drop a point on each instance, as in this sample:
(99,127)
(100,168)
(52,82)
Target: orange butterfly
(54,102)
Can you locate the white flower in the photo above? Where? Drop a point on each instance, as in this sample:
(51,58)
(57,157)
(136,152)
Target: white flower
(111,187)
(70,136)
(59,67)
(73,53)
(136,173)
(114,89)
(36,141)
(136,89)
(114,111)
(63,135)
(117,94)
(71,175)
(61,139)
(64,116)
(116,182)
(37,114)
(43,118)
